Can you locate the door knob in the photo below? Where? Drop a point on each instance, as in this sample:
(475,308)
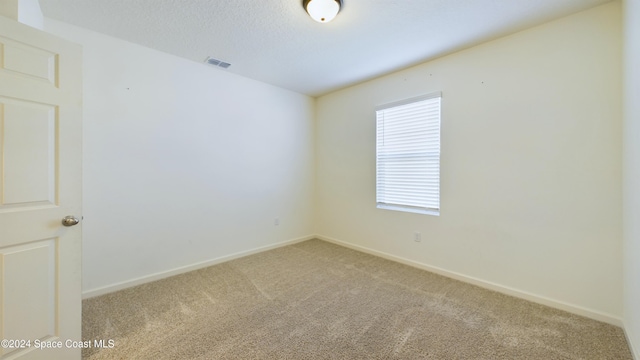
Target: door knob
(70,220)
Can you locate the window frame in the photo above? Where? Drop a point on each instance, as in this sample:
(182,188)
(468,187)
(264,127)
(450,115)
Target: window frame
(430,150)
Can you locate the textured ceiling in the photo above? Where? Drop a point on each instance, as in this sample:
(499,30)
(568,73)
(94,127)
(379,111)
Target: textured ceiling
(276,42)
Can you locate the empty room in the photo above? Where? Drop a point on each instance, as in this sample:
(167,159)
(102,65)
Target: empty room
(320,179)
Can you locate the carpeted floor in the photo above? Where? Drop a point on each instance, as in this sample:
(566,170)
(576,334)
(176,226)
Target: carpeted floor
(316,300)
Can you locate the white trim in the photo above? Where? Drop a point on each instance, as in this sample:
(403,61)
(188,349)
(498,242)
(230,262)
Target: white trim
(183,269)
(433,95)
(411,209)
(634,353)
(574,309)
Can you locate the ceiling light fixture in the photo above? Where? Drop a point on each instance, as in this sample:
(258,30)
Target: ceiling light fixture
(322,10)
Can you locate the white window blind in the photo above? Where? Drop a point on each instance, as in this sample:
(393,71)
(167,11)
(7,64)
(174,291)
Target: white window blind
(408,155)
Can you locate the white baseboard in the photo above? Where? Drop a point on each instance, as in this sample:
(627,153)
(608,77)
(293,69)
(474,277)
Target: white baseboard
(578,310)
(634,351)
(574,309)
(165,274)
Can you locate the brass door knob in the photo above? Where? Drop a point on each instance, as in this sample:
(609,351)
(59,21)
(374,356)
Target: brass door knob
(70,220)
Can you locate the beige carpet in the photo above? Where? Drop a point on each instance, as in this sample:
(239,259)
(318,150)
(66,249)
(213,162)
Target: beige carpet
(316,300)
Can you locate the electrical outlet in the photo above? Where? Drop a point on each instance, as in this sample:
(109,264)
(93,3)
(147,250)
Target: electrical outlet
(276,221)
(417,237)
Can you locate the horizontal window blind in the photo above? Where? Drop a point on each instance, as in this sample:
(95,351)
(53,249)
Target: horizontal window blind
(408,155)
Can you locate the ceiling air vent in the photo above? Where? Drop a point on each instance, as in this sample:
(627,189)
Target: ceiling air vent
(216,62)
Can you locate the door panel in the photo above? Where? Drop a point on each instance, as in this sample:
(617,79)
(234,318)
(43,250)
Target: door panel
(40,183)
(28,60)
(30,310)
(29,135)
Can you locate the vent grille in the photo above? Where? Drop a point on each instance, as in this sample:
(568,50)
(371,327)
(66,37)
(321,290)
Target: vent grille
(218,63)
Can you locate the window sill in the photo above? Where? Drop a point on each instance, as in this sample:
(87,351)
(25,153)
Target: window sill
(434,212)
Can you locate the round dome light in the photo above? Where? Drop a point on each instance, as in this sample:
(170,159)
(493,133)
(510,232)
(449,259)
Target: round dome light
(322,10)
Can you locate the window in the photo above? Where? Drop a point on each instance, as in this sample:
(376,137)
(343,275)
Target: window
(408,155)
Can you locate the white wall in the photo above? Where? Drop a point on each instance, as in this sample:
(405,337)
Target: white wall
(184,163)
(632,174)
(25,11)
(531,165)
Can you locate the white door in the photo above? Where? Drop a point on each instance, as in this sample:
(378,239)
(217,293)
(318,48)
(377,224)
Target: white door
(40,184)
